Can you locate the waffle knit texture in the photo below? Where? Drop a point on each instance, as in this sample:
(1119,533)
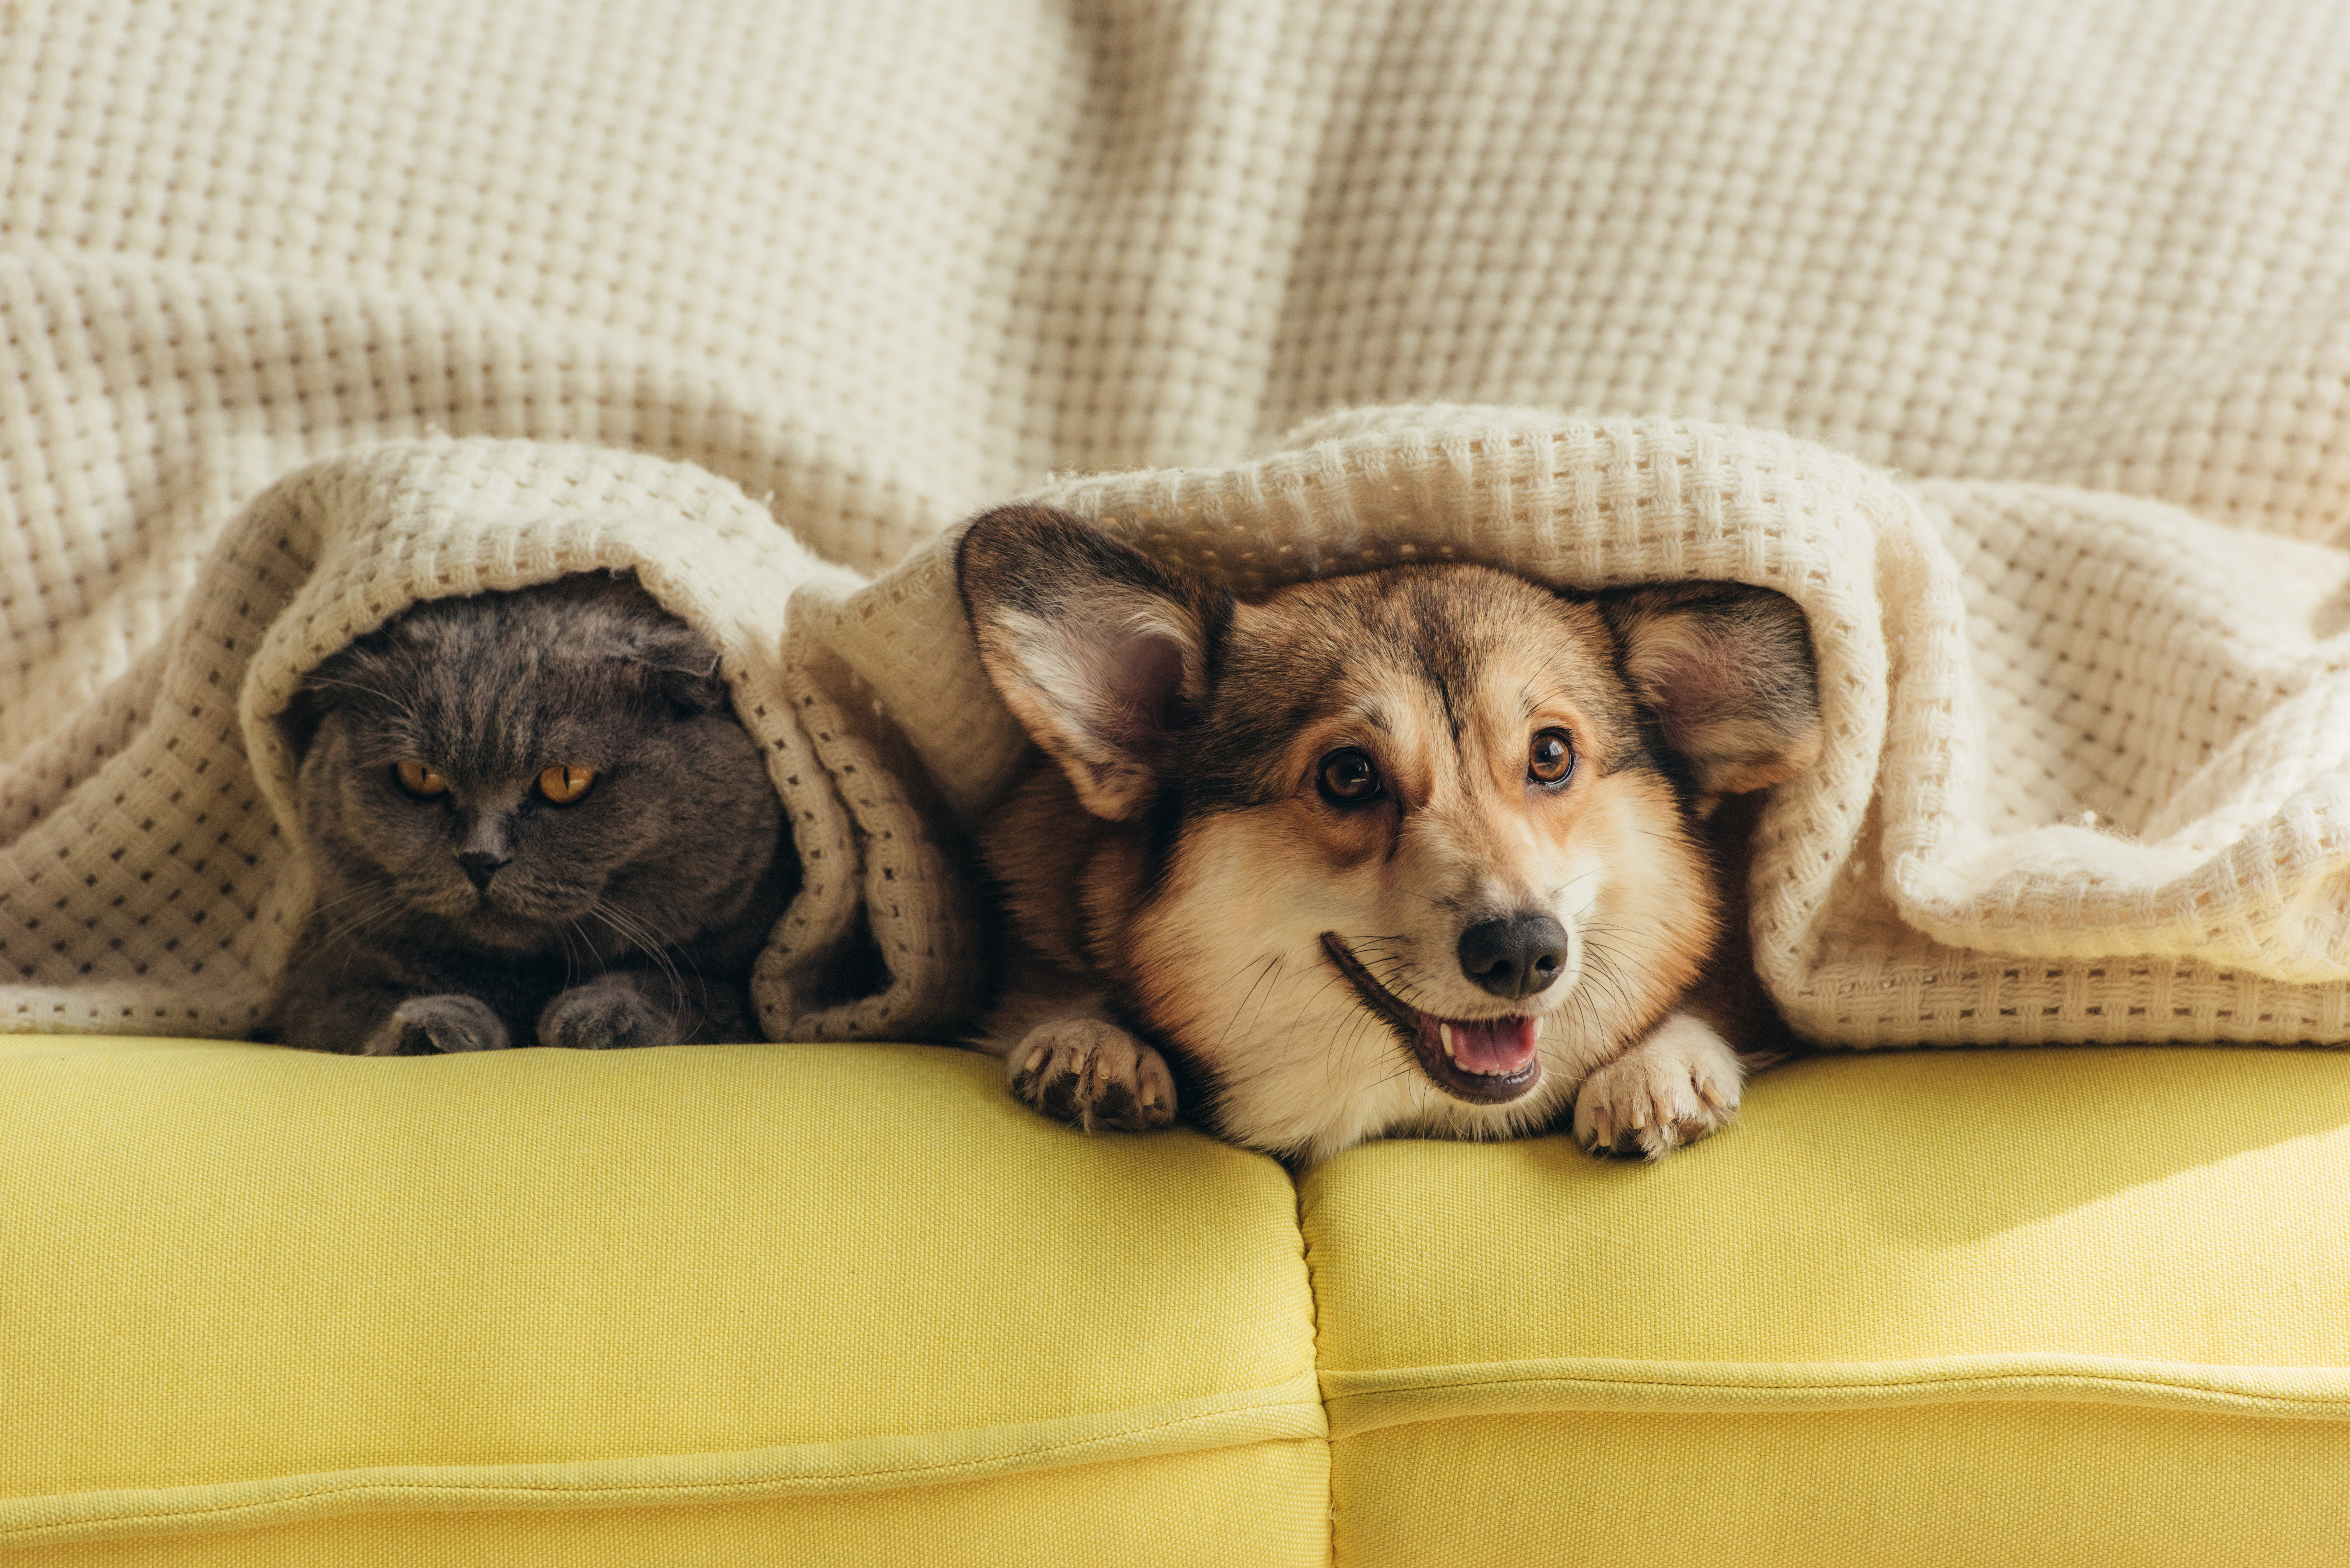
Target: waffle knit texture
(2049,301)
(1921,881)
(151,879)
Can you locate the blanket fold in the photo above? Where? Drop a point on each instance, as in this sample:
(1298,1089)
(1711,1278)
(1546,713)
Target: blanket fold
(2050,299)
(150,879)
(2084,775)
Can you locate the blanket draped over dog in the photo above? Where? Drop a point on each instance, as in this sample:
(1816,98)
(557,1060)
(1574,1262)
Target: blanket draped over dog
(2051,300)
(2087,762)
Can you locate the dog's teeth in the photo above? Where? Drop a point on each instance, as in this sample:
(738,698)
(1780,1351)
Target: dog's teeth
(1446,1030)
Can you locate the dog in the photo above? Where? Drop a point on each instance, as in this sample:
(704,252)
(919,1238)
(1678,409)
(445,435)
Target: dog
(1420,851)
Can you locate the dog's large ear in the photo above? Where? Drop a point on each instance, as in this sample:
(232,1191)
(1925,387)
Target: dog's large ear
(1100,652)
(1728,671)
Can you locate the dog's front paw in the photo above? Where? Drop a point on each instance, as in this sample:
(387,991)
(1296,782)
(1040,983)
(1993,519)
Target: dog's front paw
(1093,1074)
(424,1024)
(607,1013)
(1673,1087)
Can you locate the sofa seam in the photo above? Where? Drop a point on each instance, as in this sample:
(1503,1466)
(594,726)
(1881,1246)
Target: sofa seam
(1314,1306)
(647,1490)
(2107,1388)
(1855,1385)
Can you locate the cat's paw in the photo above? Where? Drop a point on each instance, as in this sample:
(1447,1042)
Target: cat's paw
(1673,1087)
(424,1024)
(607,1013)
(1093,1074)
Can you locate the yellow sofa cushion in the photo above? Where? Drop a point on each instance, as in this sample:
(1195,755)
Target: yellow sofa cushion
(261,1305)
(850,1305)
(2047,1306)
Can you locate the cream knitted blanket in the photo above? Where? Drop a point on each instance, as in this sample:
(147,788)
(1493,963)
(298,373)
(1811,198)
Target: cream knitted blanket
(2085,771)
(2078,269)
(150,877)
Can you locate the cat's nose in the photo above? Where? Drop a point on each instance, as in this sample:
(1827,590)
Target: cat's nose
(480,867)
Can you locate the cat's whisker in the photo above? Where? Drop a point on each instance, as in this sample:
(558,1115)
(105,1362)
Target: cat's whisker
(569,929)
(360,921)
(632,931)
(377,692)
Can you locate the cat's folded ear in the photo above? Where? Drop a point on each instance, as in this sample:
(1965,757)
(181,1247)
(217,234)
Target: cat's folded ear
(305,711)
(354,671)
(684,666)
(628,623)
(1728,671)
(1099,651)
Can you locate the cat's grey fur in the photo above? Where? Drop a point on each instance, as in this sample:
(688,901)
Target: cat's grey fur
(629,918)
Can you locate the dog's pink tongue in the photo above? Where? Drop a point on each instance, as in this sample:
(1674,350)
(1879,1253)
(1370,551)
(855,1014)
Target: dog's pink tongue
(1493,1044)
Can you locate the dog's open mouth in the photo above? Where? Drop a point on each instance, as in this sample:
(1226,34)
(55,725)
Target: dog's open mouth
(1485,1060)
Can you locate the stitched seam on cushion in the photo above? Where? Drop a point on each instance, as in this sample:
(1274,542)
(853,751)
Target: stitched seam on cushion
(1360,1411)
(1848,1386)
(1920,1381)
(1314,1305)
(591,1493)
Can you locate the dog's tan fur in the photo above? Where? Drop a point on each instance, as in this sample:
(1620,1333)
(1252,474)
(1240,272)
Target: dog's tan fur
(1170,872)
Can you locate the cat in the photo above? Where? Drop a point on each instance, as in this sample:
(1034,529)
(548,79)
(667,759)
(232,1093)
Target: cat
(532,817)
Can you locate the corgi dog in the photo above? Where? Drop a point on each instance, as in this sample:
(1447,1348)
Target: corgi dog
(1420,851)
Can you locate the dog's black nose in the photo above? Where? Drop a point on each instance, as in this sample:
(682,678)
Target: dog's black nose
(480,867)
(1513,957)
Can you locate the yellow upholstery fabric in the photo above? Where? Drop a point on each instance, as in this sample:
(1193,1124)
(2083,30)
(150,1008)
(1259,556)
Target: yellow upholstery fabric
(2055,1306)
(852,1304)
(1265,1504)
(1951,1486)
(829,1296)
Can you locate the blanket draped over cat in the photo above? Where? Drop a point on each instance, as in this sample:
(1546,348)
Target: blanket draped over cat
(152,880)
(1934,878)
(2067,282)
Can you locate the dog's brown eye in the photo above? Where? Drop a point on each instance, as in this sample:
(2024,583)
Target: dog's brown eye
(419,780)
(566,784)
(1551,757)
(1349,777)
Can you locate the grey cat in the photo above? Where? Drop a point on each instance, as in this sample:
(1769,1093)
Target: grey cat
(532,818)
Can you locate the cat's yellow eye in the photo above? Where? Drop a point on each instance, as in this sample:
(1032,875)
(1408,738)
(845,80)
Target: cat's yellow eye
(566,784)
(420,780)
